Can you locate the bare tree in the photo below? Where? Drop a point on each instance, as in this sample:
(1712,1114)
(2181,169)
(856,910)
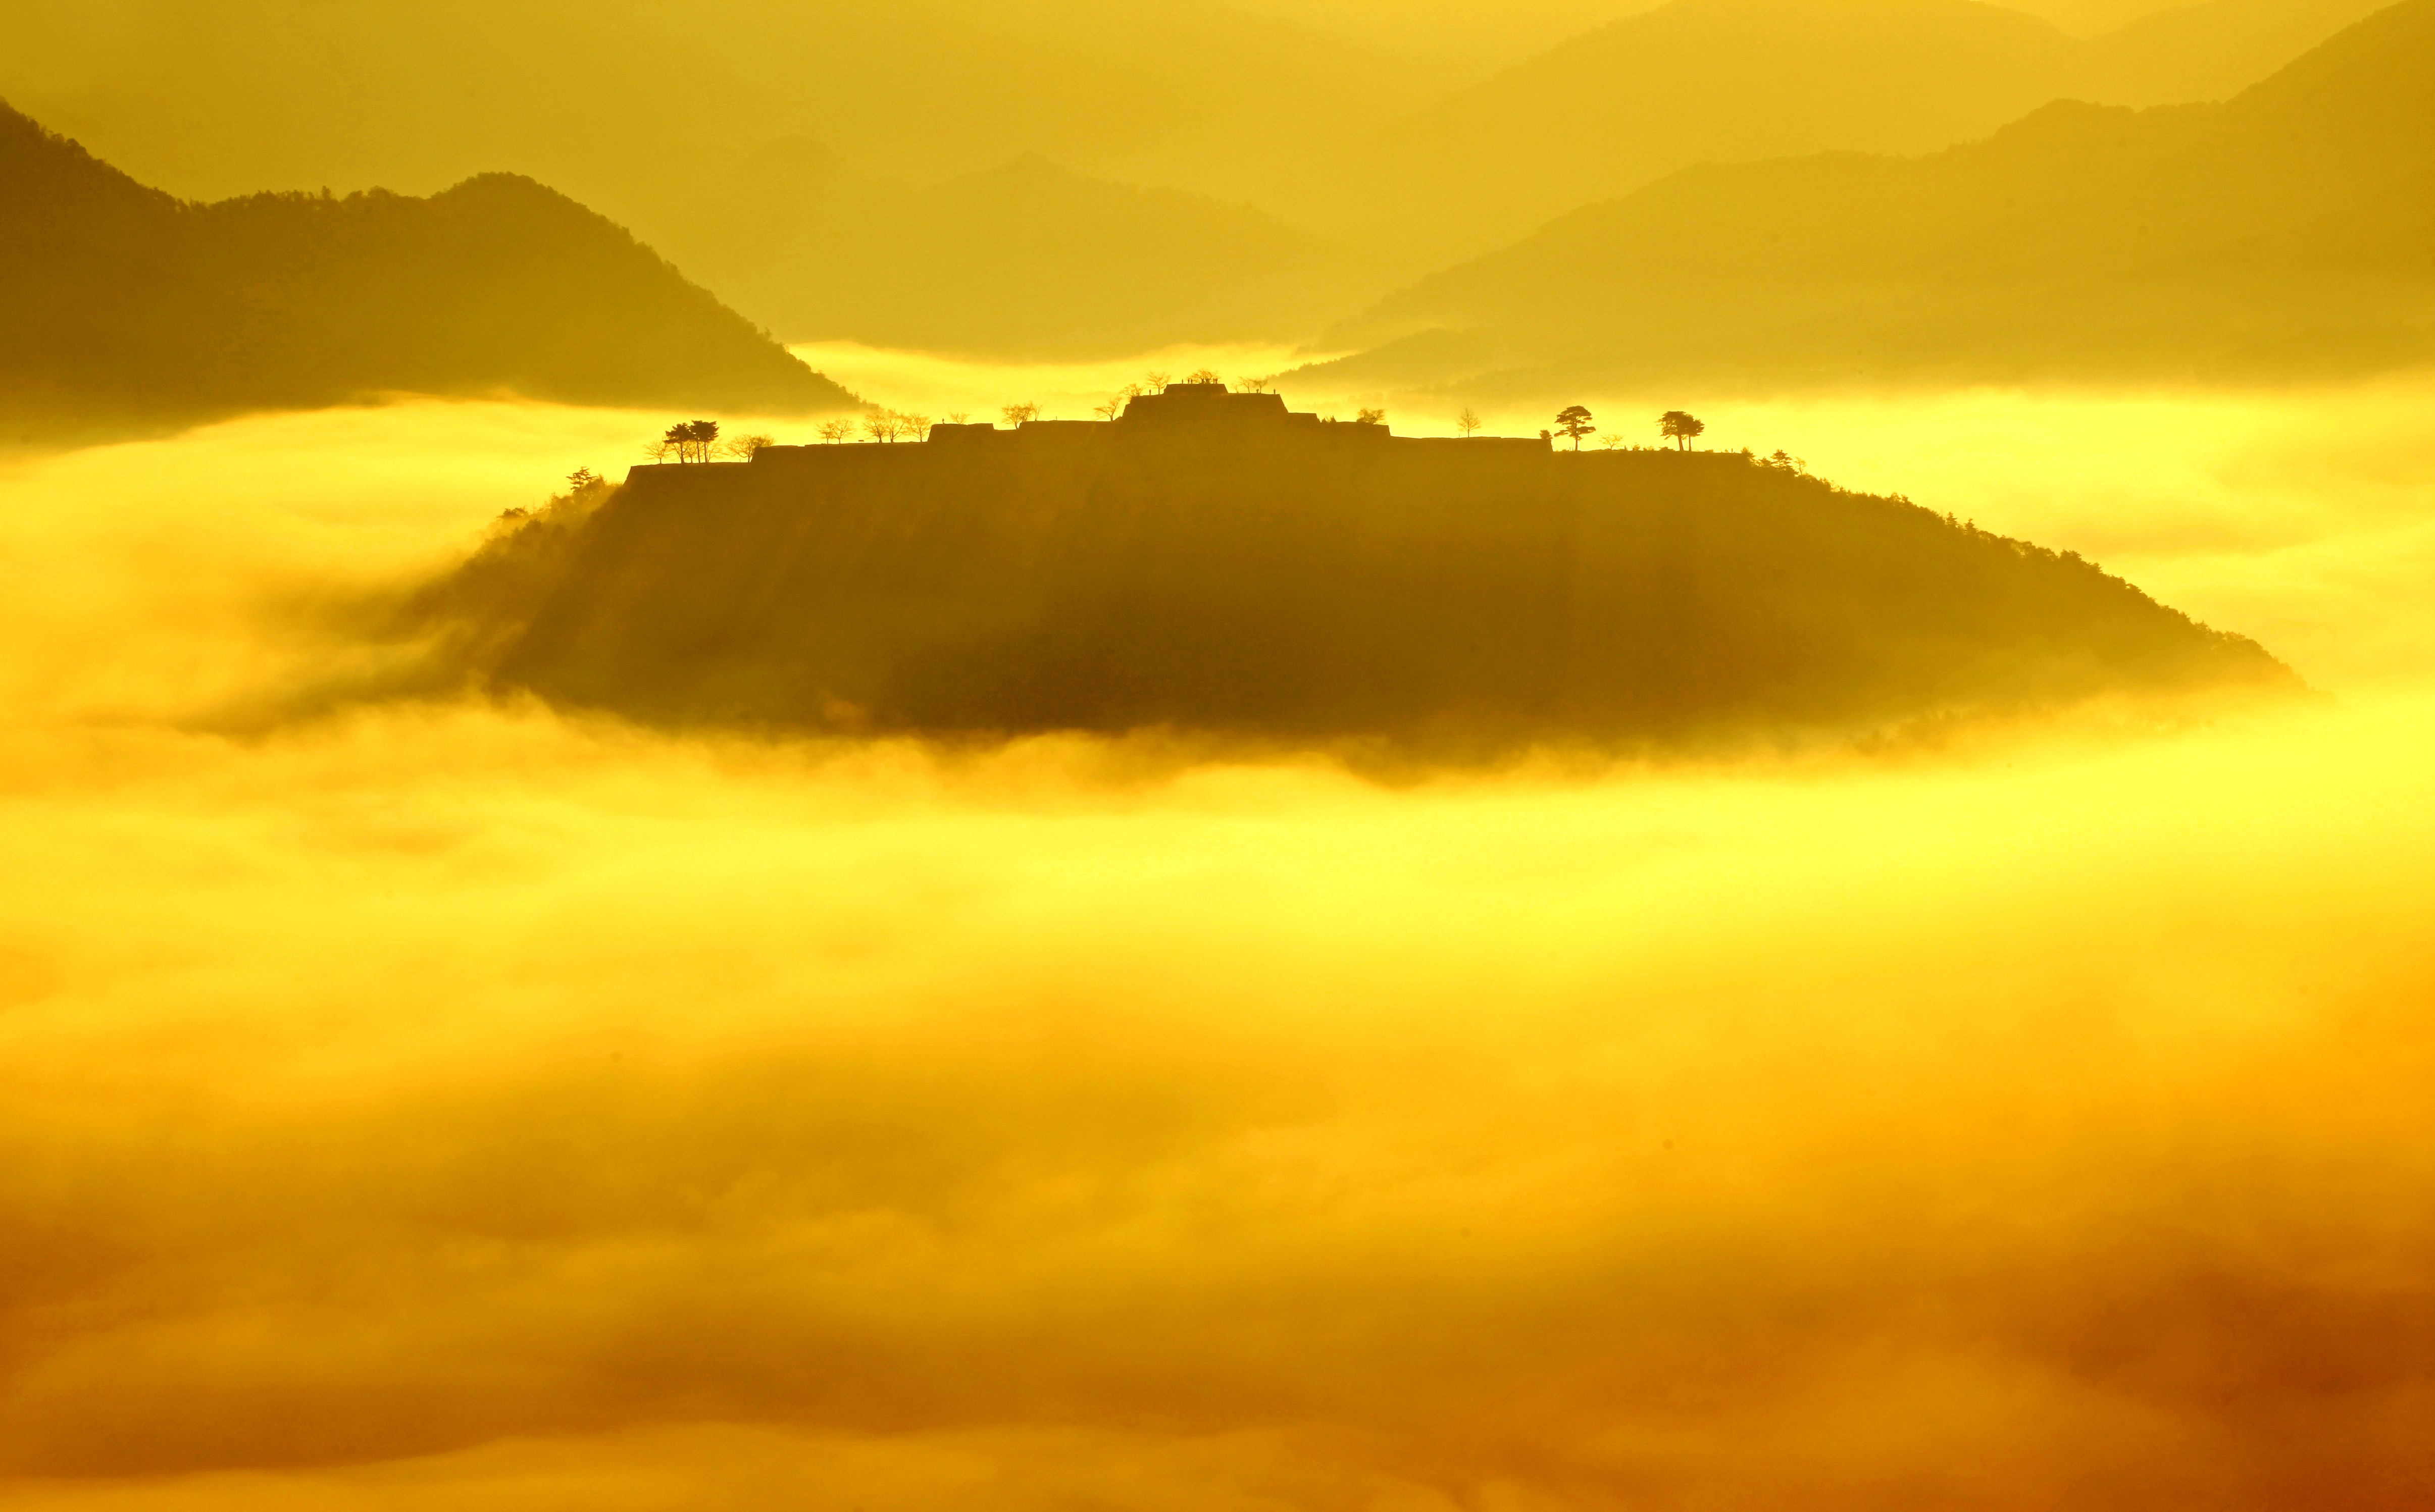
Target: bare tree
(1206,377)
(1573,420)
(883,426)
(1116,403)
(1155,380)
(1611,441)
(917,427)
(960,416)
(1256,385)
(1680,427)
(1018,414)
(834,431)
(1370,416)
(1467,423)
(745,448)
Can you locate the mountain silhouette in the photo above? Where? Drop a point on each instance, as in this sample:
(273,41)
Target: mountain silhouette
(1026,257)
(1607,112)
(628,106)
(1218,109)
(2209,51)
(2283,233)
(129,306)
(1212,562)
(1733,81)
(2097,18)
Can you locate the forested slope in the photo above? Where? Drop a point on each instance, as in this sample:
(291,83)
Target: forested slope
(129,306)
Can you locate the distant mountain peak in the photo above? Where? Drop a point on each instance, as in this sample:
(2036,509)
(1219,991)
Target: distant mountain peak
(131,308)
(2279,234)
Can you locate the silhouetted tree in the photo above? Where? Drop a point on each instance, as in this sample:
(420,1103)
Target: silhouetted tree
(1370,416)
(960,416)
(1017,413)
(1573,422)
(1111,409)
(583,480)
(1679,426)
(881,425)
(745,448)
(1467,423)
(689,442)
(917,427)
(1256,385)
(834,431)
(1155,381)
(1205,376)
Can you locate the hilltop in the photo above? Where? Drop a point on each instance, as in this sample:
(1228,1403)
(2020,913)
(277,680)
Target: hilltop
(2283,233)
(1211,561)
(129,306)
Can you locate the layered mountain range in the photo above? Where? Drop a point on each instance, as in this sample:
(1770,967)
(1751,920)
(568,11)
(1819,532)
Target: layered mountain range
(1740,80)
(1024,259)
(2288,233)
(1082,178)
(2281,232)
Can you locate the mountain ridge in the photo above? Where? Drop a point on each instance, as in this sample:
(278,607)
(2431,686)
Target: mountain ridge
(1614,107)
(138,308)
(2077,242)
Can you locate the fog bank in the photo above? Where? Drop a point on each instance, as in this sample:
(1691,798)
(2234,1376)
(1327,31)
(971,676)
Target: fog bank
(452,1105)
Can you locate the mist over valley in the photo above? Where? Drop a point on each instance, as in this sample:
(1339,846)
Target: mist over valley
(1310,754)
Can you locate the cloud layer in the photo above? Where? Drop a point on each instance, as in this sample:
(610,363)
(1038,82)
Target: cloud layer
(457,1106)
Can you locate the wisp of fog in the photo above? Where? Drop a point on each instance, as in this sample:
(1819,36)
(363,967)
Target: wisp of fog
(453,1103)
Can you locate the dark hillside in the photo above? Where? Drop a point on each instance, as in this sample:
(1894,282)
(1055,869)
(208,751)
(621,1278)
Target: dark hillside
(1210,563)
(129,306)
